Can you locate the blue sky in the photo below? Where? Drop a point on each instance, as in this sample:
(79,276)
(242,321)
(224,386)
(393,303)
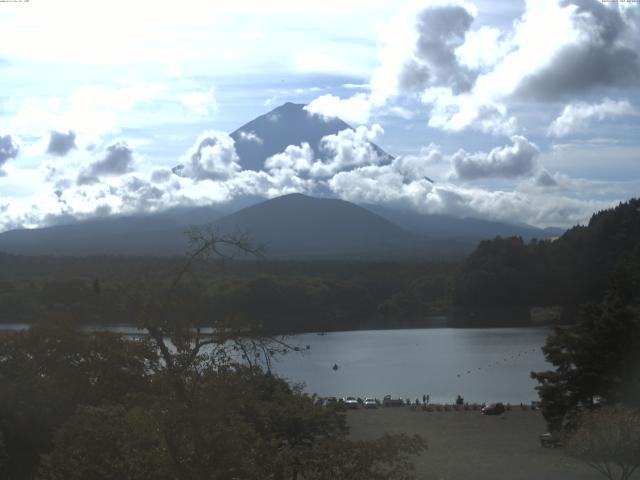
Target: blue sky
(520,111)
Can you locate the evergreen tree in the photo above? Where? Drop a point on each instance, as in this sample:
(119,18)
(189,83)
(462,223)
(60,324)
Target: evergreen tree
(597,362)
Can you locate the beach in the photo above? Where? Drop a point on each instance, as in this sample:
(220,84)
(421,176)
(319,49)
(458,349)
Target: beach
(469,445)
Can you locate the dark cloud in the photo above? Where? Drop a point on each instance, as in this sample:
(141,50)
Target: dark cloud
(161,175)
(605,56)
(61,143)
(8,149)
(544,179)
(510,161)
(117,161)
(440,30)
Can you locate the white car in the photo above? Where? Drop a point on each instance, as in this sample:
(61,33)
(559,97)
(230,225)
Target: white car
(370,403)
(351,402)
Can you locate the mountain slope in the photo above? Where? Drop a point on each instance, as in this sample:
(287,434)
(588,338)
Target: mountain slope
(157,234)
(448,226)
(286,125)
(297,225)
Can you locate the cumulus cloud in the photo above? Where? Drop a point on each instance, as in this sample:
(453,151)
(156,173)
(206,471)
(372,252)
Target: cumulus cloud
(511,161)
(8,149)
(472,78)
(603,52)
(577,116)
(61,143)
(118,160)
(441,30)
(384,184)
(355,109)
(351,173)
(344,150)
(295,158)
(347,149)
(250,137)
(455,113)
(212,157)
(545,180)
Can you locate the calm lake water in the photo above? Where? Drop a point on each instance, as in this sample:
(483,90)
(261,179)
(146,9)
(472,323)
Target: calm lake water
(482,365)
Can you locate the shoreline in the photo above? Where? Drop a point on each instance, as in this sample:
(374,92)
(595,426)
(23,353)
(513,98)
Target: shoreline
(134,330)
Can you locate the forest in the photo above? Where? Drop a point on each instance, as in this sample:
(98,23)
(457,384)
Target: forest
(288,296)
(576,268)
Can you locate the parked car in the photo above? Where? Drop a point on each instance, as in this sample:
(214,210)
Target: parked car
(387,401)
(493,409)
(351,402)
(370,403)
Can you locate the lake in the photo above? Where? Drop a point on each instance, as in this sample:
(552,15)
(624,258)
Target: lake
(482,364)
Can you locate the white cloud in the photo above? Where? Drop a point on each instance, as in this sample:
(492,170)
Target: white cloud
(90,111)
(348,149)
(212,157)
(516,160)
(199,103)
(250,137)
(577,116)
(294,158)
(482,48)
(384,185)
(355,109)
(210,175)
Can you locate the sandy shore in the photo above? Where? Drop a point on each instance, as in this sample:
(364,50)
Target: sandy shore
(468,445)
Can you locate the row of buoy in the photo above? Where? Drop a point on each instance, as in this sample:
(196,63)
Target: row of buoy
(513,356)
(504,360)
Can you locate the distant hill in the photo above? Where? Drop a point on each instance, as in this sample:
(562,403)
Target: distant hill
(156,234)
(289,124)
(468,230)
(578,267)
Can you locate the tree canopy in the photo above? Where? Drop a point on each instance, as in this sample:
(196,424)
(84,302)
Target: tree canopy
(574,269)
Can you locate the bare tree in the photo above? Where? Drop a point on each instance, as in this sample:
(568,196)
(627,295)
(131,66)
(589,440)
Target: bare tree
(608,440)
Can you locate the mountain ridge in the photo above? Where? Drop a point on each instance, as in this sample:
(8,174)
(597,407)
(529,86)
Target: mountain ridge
(288,124)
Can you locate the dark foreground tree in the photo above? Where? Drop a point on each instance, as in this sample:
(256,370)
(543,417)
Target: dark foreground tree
(608,440)
(51,369)
(194,398)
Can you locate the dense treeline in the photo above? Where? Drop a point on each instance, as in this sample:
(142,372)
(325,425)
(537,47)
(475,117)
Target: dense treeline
(574,269)
(285,296)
